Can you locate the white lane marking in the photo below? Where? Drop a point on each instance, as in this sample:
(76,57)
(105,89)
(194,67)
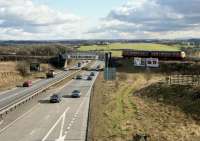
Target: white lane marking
(9,125)
(79,108)
(13,95)
(62,117)
(73,119)
(4,92)
(62,125)
(35,81)
(52,128)
(31,88)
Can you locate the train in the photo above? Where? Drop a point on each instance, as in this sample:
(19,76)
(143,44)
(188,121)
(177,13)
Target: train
(162,55)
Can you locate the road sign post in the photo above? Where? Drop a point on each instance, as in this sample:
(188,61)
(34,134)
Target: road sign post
(110,71)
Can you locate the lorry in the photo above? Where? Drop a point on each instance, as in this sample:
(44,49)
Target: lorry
(50,74)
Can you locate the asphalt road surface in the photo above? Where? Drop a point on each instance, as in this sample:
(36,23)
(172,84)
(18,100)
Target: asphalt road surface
(9,96)
(65,121)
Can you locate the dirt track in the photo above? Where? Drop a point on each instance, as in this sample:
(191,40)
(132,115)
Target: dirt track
(119,111)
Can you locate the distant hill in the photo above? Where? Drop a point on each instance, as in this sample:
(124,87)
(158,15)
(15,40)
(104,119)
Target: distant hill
(97,41)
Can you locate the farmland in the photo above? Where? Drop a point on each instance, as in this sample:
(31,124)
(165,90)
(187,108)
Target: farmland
(117,47)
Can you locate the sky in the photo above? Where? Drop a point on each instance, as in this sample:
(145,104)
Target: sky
(99,19)
(87,8)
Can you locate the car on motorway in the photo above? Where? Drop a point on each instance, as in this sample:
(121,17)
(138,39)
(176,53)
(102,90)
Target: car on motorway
(89,78)
(27,83)
(96,69)
(85,68)
(76,94)
(92,74)
(79,64)
(78,77)
(55,98)
(50,74)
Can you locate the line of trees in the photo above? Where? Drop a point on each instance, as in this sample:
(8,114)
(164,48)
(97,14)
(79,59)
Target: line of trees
(36,50)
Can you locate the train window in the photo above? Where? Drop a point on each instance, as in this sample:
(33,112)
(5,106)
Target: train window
(149,62)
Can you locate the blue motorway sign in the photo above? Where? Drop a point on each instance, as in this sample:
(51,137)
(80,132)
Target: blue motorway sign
(110,73)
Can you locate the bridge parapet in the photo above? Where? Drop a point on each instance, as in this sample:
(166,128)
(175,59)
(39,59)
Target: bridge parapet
(84,56)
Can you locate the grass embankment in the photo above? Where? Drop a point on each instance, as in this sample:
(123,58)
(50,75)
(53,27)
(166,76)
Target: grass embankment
(116,47)
(114,107)
(10,77)
(136,103)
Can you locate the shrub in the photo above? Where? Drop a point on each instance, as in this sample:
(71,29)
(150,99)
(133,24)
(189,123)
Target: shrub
(23,68)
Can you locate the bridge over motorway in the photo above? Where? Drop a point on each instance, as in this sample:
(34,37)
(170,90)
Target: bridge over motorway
(84,56)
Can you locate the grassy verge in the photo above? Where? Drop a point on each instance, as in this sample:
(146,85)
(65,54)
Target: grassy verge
(135,103)
(115,108)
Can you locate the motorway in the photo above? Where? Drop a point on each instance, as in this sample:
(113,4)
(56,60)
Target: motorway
(12,95)
(9,96)
(65,121)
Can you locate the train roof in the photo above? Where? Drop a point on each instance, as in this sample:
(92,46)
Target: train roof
(150,50)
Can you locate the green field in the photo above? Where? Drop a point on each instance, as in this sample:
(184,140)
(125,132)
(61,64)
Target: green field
(137,46)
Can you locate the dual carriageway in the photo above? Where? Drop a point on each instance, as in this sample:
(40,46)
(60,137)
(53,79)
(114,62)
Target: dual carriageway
(64,121)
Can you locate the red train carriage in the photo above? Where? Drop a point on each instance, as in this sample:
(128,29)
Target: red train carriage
(162,55)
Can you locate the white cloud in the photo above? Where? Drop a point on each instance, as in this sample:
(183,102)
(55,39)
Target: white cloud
(22,19)
(153,19)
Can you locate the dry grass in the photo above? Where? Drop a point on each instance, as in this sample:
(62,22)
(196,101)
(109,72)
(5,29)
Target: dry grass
(8,66)
(122,108)
(10,77)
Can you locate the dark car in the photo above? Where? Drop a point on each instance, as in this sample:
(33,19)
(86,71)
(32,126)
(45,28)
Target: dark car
(92,74)
(55,98)
(78,77)
(27,83)
(89,78)
(76,94)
